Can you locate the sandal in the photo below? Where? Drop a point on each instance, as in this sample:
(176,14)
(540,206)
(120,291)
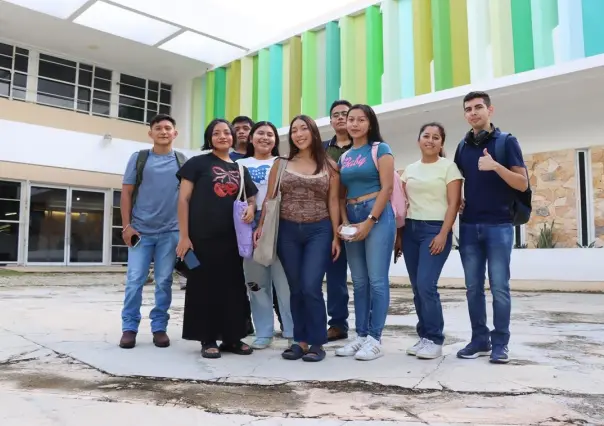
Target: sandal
(238,348)
(293,353)
(205,347)
(314,354)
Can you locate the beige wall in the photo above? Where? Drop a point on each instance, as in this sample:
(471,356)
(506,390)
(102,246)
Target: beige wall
(59,176)
(42,115)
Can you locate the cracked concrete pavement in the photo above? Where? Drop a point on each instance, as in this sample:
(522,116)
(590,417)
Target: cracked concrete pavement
(60,363)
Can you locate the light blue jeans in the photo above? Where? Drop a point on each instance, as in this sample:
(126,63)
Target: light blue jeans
(261,301)
(369,262)
(161,249)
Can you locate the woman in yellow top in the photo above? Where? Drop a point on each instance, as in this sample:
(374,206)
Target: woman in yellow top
(433,186)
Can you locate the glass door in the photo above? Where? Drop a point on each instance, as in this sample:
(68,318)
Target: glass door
(85,230)
(66,226)
(47,225)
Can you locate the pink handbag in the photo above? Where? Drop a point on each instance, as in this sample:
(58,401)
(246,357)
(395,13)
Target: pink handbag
(398,199)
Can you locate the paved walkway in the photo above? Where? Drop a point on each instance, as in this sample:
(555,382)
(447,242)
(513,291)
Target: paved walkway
(60,336)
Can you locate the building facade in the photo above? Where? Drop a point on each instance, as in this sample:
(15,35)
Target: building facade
(69,127)
(74,106)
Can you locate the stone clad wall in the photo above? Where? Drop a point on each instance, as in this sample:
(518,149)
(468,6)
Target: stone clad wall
(597,171)
(554,184)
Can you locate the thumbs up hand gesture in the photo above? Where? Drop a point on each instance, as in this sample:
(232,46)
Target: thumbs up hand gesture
(486,162)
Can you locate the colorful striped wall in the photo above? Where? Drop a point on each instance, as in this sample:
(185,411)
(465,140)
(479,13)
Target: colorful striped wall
(398,49)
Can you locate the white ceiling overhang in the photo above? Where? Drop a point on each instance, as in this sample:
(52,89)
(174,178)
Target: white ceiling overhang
(211,31)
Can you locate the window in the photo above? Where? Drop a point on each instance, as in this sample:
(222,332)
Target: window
(140,100)
(10,215)
(119,250)
(94,90)
(585,223)
(14,62)
(68,84)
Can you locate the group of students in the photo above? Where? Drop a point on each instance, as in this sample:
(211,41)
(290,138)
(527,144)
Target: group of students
(323,187)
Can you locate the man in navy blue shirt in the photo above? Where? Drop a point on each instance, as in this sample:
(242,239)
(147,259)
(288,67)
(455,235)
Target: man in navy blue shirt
(486,232)
(243,125)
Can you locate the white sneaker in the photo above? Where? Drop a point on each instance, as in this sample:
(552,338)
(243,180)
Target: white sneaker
(372,349)
(413,349)
(351,347)
(429,350)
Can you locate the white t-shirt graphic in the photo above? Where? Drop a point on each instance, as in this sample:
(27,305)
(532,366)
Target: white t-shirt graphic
(259,171)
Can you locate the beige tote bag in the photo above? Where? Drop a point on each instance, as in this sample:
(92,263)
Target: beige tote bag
(266,251)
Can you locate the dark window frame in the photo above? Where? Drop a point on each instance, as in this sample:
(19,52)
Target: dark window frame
(15,90)
(583,197)
(11,223)
(151,102)
(115,227)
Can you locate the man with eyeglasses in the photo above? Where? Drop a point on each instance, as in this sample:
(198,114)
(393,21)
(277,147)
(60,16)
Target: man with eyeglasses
(337,272)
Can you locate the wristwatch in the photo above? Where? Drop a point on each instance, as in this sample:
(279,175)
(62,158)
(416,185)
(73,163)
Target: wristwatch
(372,217)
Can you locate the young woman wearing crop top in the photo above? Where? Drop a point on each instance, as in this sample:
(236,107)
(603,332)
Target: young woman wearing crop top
(307,238)
(433,186)
(366,205)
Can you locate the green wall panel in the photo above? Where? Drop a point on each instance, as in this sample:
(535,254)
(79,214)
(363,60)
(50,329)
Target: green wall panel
(593,28)
(275,113)
(375,55)
(522,33)
(255,82)
(332,64)
(309,70)
(545,20)
(441,44)
(220,93)
(264,67)
(210,95)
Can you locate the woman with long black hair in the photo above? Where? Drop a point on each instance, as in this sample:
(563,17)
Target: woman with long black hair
(307,239)
(367,172)
(216,304)
(262,151)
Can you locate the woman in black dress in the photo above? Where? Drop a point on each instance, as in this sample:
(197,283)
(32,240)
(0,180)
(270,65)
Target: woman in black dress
(216,301)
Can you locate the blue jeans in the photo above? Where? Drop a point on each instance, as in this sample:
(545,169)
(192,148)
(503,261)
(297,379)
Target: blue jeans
(424,271)
(305,252)
(479,245)
(161,249)
(369,262)
(337,292)
(262,300)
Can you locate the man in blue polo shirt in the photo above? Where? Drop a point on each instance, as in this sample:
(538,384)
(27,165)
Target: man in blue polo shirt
(486,232)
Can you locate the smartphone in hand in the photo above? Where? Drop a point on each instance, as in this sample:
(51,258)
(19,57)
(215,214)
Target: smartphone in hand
(191,260)
(135,240)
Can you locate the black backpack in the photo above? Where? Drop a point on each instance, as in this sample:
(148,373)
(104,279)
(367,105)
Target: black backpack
(521,207)
(141,160)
